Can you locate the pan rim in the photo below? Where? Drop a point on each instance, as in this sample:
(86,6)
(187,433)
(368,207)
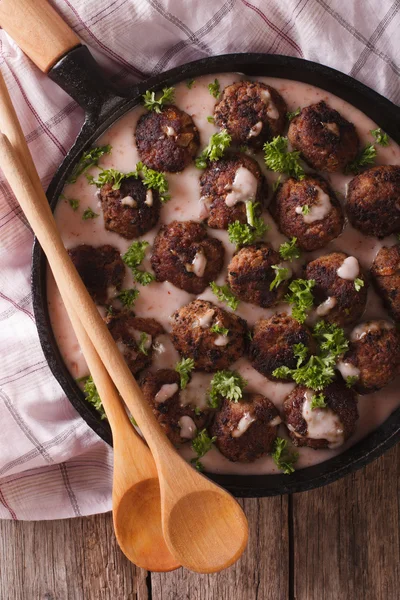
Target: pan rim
(354,458)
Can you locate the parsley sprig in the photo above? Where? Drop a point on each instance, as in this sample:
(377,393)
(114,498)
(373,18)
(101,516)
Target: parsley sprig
(366,157)
(351,380)
(92,396)
(283,457)
(215,150)
(292,115)
(380,136)
(242,234)
(152,179)
(318,401)
(133,257)
(201,444)
(301,298)
(184,367)
(88,159)
(128,297)
(289,250)
(214,88)
(216,328)
(281,274)
(224,294)
(226,384)
(278,159)
(153,104)
(142,343)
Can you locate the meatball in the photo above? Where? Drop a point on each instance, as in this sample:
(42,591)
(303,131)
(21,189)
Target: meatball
(247,429)
(309,211)
(250,275)
(373,201)
(251,112)
(319,428)
(326,140)
(167,141)
(272,345)
(385,272)
(132,210)
(186,256)
(193,337)
(161,390)
(373,355)
(226,185)
(102,270)
(338,291)
(135,337)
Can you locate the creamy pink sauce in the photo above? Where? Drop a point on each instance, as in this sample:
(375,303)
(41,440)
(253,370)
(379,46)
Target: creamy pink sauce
(160,300)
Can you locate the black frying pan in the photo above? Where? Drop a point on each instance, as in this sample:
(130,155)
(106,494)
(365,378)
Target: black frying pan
(79,75)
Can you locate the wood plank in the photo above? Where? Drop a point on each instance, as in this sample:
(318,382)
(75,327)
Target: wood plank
(347,536)
(72,559)
(261,574)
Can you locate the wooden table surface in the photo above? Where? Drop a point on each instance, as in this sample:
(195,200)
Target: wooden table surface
(340,542)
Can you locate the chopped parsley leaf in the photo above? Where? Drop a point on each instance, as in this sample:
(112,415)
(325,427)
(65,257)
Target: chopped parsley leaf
(292,115)
(318,401)
(300,352)
(278,159)
(90,158)
(74,204)
(301,298)
(184,367)
(201,444)
(153,180)
(210,119)
(358,284)
(365,158)
(351,380)
(242,234)
(283,457)
(224,294)
(110,176)
(190,83)
(88,213)
(226,384)
(289,250)
(305,209)
(214,88)
(151,103)
(217,145)
(380,136)
(281,274)
(92,396)
(141,343)
(331,339)
(128,297)
(133,258)
(219,329)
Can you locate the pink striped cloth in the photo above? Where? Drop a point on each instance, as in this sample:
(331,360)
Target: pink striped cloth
(51,464)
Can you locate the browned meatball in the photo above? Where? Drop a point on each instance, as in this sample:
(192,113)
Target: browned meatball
(193,338)
(373,201)
(385,271)
(375,351)
(325,139)
(250,275)
(338,299)
(102,270)
(161,390)
(135,337)
(167,141)
(247,429)
(226,185)
(319,428)
(273,342)
(132,210)
(186,256)
(309,211)
(251,112)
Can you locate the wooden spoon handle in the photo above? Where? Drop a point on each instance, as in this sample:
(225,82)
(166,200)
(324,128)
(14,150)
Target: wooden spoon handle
(38,30)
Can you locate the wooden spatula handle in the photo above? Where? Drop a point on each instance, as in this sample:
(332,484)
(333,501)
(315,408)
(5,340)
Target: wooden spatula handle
(38,30)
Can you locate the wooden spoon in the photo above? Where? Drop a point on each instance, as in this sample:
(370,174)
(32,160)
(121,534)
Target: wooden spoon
(204,527)
(141,540)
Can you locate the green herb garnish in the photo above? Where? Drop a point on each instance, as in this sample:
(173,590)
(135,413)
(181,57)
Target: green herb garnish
(318,401)
(88,159)
(210,119)
(74,204)
(283,457)
(184,367)
(92,396)
(305,209)
(358,284)
(301,298)
(226,384)
(133,258)
(214,88)
(219,329)
(300,352)
(380,136)
(88,213)
(217,145)
(189,83)
(276,184)
(365,158)
(128,297)
(242,234)
(278,159)
(153,180)
(224,294)
(110,176)
(201,444)
(289,250)
(281,274)
(141,343)
(351,380)
(153,104)
(292,115)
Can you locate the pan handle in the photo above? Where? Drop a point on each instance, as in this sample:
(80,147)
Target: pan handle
(38,30)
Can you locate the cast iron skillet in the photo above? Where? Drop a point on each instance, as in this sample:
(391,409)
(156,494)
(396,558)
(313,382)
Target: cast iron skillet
(79,75)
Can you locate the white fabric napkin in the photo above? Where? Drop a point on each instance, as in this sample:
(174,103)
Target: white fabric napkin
(51,464)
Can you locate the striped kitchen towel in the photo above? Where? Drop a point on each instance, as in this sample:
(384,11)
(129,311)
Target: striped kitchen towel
(51,464)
